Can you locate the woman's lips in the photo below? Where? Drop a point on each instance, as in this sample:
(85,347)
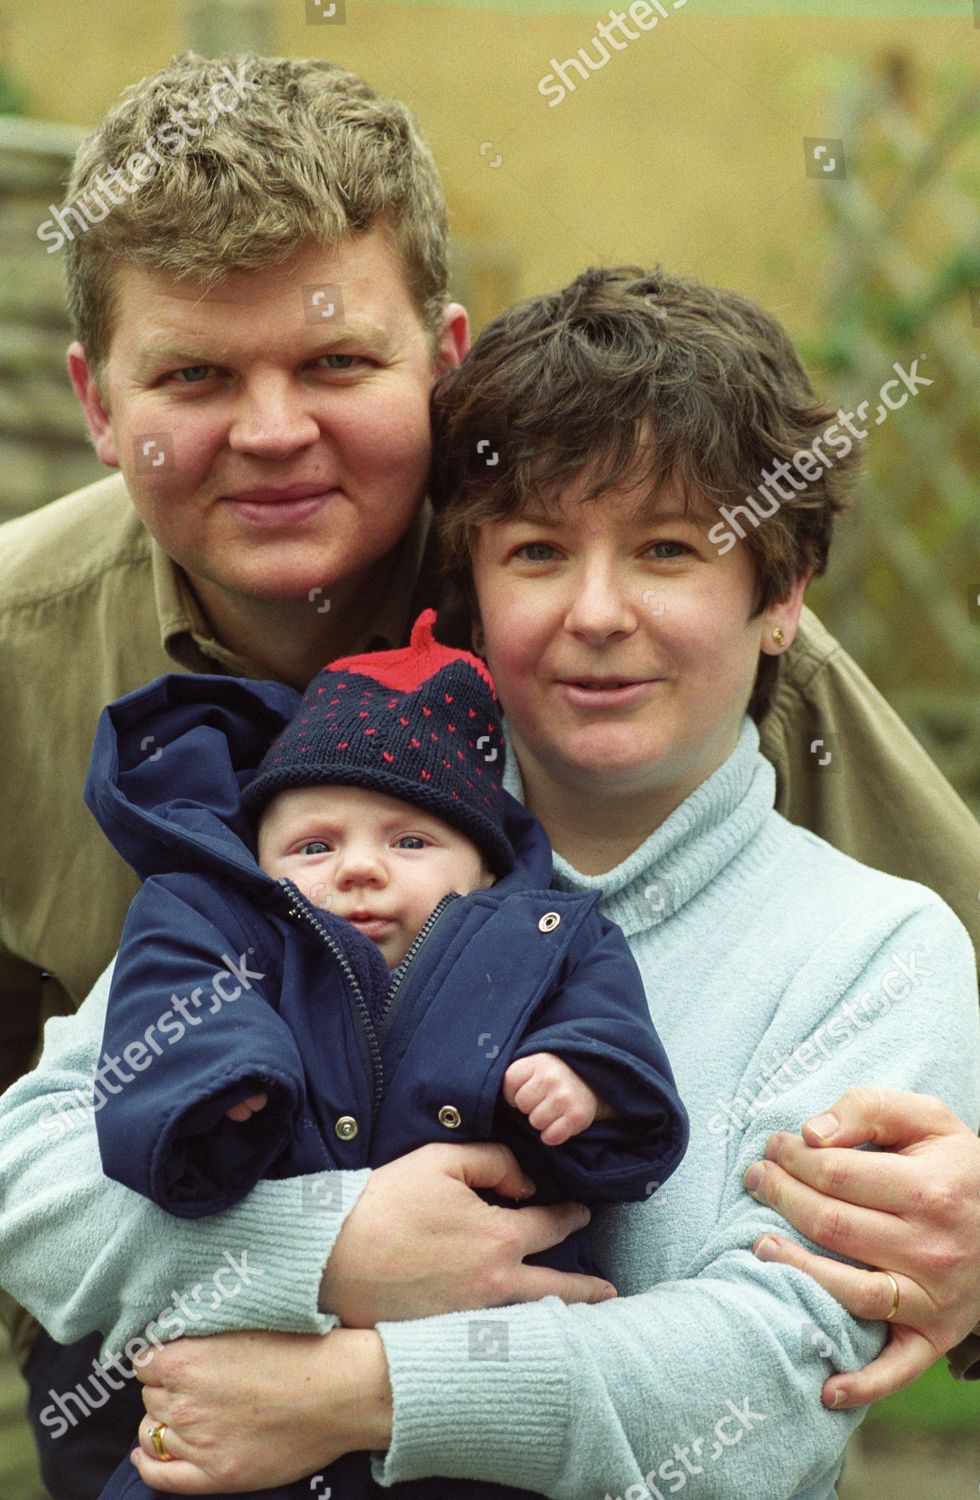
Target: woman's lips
(608,693)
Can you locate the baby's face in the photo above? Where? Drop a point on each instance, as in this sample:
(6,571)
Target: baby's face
(380,863)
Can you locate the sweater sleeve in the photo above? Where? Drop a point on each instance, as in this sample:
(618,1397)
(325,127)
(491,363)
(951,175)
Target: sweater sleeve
(81,1252)
(716,1372)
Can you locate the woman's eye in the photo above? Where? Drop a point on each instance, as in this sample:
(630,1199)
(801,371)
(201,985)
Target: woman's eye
(667,550)
(315,846)
(192,374)
(410,841)
(535,552)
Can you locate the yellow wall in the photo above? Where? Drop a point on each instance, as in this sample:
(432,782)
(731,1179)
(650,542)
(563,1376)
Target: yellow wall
(687,147)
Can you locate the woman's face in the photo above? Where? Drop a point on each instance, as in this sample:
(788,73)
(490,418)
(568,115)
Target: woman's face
(621,643)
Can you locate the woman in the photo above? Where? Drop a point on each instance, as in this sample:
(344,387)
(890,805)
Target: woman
(626,647)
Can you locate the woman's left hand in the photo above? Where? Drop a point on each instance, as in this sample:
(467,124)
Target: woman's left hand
(246,1411)
(913,1211)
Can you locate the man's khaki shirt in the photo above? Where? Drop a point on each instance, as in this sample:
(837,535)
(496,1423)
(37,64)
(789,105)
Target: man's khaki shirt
(91,608)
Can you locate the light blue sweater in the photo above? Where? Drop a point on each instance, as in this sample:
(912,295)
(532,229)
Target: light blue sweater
(779,973)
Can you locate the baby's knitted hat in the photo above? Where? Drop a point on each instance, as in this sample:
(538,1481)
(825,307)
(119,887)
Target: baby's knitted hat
(420,723)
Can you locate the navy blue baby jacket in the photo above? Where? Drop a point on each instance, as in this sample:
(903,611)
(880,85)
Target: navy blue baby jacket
(230,983)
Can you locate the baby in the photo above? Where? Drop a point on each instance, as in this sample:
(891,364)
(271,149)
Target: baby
(384,865)
(405,974)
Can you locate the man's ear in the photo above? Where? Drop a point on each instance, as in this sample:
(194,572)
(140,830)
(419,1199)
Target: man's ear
(454,340)
(96,414)
(784,615)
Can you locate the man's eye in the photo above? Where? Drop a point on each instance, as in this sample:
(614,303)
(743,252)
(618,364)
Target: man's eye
(410,841)
(315,846)
(338,361)
(193,374)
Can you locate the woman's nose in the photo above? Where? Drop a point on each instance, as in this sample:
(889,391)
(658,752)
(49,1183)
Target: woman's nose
(601,605)
(273,420)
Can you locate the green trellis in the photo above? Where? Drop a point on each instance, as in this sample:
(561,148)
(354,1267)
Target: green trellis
(903,283)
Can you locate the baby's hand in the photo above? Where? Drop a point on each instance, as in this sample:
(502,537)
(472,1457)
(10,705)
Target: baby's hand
(557,1102)
(247,1108)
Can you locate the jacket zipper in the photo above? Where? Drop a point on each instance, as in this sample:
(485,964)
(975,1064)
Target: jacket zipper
(299,909)
(420,938)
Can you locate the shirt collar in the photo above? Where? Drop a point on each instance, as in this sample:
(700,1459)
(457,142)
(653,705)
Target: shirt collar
(187,637)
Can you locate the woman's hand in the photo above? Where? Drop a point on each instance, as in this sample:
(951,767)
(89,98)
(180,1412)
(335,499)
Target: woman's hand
(246,1411)
(913,1211)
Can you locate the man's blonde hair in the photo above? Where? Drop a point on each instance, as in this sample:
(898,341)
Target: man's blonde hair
(307,154)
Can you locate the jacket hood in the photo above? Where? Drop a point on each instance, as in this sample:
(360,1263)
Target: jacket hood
(171,760)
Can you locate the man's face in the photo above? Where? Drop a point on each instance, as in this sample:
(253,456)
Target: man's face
(272,450)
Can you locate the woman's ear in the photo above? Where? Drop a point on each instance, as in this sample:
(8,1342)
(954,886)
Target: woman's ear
(780,619)
(477,638)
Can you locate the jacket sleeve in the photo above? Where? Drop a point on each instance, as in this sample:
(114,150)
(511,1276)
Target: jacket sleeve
(83,1253)
(20,1015)
(964,1360)
(879,797)
(191,1029)
(597,1020)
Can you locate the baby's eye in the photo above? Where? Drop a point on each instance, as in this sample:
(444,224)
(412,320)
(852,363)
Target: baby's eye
(410,841)
(315,846)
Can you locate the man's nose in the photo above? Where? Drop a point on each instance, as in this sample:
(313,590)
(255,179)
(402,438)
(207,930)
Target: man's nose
(601,604)
(273,419)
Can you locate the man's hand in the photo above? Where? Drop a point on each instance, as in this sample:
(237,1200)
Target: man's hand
(557,1102)
(420,1241)
(913,1210)
(247,1411)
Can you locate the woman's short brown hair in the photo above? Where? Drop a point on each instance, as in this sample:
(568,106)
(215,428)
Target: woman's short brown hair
(645,378)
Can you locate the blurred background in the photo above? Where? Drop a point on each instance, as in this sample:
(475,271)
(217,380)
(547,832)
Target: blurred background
(821,158)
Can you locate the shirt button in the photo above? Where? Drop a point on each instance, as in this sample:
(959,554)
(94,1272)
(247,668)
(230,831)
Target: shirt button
(346,1128)
(549,921)
(450,1116)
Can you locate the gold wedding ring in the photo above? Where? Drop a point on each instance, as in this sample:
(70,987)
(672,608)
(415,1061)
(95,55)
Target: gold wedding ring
(156,1432)
(894,1307)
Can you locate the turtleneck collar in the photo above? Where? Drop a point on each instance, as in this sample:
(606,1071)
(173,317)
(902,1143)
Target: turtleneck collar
(691,846)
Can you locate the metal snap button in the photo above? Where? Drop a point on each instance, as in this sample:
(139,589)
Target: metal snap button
(450,1116)
(549,921)
(346,1127)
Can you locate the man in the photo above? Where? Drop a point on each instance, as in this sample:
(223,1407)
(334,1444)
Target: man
(260,307)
